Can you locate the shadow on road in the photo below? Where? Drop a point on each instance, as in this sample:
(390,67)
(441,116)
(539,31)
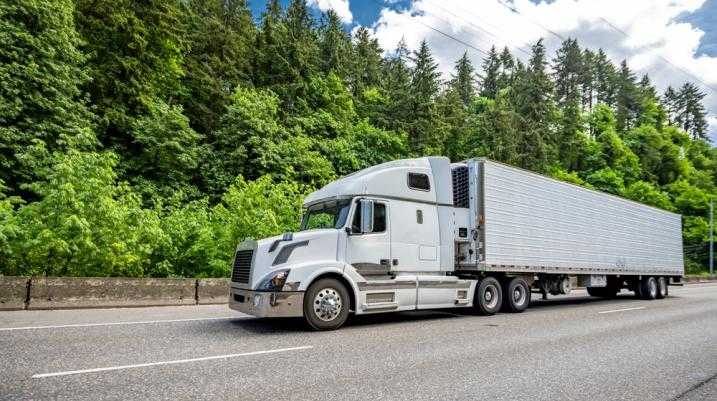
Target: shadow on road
(288,325)
(572,300)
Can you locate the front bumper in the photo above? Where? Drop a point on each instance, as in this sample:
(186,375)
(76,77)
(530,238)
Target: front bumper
(267,304)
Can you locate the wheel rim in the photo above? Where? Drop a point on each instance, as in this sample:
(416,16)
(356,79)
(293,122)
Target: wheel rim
(663,287)
(519,295)
(490,296)
(653,287)
(327,304)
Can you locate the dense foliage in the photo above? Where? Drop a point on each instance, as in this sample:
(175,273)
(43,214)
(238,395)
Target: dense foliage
(148,138)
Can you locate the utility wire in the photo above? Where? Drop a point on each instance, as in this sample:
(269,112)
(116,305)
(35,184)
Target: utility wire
(685,71)
(479,27)
(443,33)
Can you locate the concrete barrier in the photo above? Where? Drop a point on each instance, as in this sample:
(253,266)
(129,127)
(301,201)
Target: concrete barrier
(78,292)
(212,291)
(13,292)
(699,279)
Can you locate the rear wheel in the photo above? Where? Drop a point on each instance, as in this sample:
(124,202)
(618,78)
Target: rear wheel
(488,296)
(648,287)
(662,290)
(516,295)
(326,304)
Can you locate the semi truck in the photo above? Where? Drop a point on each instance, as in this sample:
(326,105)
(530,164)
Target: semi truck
(426,233)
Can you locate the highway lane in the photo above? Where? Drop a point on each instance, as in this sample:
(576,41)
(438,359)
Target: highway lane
(567,348)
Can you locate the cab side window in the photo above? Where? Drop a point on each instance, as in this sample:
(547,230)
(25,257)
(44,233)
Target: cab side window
(379,219)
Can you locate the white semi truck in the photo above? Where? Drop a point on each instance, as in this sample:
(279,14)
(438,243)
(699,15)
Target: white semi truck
(424,233)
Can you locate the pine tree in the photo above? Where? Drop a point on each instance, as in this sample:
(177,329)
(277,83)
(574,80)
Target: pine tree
(568,69)
(221,34)
(587,79)
(302,47)
(491,70)
(605,77)
(367,61)
(507,69)
(335,46)
(424,138)
(670,99)
(533,102)
(135,53)
(42,108)
(463,81)
(691,115)
(627,100)
(398,89)
(272,66)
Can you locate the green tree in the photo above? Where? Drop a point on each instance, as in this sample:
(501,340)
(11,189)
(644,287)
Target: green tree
(627,98)
(220,36)
(424,135)
(463,81)
(335,46)
(491,69)
(41,102)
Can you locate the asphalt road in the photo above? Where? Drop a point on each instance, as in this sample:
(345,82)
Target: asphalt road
(570,348)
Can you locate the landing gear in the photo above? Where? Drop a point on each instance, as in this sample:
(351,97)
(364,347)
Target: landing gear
(488,296)
(516,294)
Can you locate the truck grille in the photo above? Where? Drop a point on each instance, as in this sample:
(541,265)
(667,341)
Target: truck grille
(460,186)
(242,266)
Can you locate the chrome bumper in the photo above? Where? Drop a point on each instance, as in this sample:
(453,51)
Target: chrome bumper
(267,304)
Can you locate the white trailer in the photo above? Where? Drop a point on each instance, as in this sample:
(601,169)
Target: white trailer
(424,233)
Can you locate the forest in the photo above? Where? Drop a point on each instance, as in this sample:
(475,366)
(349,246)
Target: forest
(147,138)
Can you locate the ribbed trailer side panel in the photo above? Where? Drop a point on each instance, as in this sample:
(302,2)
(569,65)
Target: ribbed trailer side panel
(535,223)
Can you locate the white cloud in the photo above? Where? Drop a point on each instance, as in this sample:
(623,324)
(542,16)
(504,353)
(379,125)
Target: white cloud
(341,7)
(652,27)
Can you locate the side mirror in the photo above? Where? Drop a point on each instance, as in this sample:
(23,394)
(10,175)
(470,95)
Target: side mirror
(366,215)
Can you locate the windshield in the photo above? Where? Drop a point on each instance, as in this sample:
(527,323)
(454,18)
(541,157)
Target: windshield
(331,214)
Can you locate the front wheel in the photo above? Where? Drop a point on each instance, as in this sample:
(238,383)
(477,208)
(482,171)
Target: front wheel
(488,296)
(326,304)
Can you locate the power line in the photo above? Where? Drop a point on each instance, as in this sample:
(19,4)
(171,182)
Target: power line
(479,27)
(515,10)
(444,34)
(708,86)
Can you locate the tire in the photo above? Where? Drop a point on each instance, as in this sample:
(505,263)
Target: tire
(662,288)
(488,297)
(326,304)
(516,295)
(648,288)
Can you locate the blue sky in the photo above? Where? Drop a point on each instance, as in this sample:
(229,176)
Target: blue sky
(671,40)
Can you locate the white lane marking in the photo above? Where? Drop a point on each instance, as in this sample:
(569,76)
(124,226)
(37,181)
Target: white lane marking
(62,326)
(621,310)
(142,365)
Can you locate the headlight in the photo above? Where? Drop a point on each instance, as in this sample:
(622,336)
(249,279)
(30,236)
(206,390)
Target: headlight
(274,282)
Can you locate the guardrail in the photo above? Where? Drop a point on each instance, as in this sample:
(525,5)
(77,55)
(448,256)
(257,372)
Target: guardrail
(112,292)
(18,293)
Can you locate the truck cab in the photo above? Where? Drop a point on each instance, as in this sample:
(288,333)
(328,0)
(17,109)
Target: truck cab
(378,240)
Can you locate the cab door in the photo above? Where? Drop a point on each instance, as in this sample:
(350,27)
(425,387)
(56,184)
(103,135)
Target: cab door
(369,248)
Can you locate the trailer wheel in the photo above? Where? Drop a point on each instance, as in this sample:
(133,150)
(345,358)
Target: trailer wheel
(488,296)
(516,295)
(662,290)
(648,287)
(326,304)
